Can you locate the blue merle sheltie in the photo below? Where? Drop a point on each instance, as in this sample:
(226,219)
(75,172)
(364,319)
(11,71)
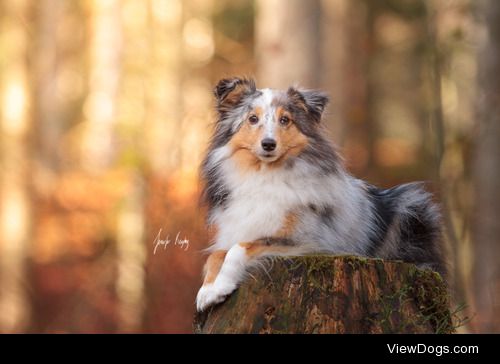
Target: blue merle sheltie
(276,186)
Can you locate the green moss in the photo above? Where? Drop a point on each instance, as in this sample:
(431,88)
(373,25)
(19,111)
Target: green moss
(432,298)
(311,262)
(426,292)
(356,262)
(429,295)
(392,310)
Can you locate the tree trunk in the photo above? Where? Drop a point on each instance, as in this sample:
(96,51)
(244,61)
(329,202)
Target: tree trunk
(98,145)
(333,294)
(486,175)
(287,43)
(15,171)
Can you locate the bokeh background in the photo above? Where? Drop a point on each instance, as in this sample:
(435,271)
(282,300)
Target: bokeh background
(106,109)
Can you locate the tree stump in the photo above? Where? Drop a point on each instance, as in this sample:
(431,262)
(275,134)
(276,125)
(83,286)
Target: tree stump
(333,294)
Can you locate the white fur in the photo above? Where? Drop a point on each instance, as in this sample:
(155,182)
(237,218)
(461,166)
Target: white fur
(267,121)
(267,96)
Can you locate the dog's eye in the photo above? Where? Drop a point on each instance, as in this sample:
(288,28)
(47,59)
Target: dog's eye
(284,120)
(253,119)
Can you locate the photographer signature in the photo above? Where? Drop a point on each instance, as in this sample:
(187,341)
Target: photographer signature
(158,242)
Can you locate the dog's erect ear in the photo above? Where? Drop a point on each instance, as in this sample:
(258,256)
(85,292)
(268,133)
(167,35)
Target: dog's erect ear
(316,100)
(230,91)
(312,101)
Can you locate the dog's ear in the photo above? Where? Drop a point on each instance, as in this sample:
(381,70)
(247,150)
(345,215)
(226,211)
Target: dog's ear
(316,100)
(230,91)
(311,101)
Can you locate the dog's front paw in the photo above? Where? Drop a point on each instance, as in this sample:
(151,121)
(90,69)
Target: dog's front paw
(213,293)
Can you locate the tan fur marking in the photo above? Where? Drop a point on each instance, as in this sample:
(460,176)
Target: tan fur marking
(288,226)
(244,141)
(235,95)
(258,248)
(213,265)
(257,111)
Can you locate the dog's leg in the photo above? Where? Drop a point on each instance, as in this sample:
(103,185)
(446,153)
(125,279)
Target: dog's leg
(234,267)
(211,270)
(213,265)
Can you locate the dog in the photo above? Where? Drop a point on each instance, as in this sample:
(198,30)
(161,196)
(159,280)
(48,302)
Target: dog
(275,186)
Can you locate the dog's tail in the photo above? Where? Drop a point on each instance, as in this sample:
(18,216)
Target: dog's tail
(415,232)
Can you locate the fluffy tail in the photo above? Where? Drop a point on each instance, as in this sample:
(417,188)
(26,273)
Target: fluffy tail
(414,233)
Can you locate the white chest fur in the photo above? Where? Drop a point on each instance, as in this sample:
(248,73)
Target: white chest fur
(257,206)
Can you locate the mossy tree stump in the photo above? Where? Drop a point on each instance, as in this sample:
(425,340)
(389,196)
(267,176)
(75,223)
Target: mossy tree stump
(333,294)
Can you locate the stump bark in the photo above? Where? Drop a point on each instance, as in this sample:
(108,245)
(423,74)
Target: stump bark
(333,294)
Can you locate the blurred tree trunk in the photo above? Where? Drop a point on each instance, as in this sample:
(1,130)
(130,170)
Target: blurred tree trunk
(438,133)
(334,59)
(288,43)
(487,175)
(133,66)
(163,94)
(46,112)
(15,150)
(356,85)
(105,64)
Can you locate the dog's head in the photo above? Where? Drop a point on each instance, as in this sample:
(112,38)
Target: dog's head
(265,125)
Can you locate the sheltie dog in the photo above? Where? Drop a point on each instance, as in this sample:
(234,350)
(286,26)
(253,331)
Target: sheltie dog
(275,186)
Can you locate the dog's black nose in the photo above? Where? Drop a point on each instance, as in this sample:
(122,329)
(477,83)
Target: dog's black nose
(268,144)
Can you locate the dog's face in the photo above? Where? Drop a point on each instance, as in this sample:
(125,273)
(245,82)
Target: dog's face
(264,125)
